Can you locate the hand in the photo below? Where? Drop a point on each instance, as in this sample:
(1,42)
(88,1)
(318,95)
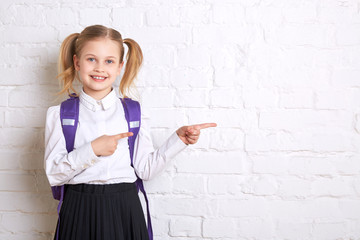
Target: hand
(191,134)
(106,145)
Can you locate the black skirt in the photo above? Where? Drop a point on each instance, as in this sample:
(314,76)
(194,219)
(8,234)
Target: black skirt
(102,212)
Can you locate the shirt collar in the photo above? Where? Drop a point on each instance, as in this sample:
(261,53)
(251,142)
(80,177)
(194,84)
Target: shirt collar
(96,105)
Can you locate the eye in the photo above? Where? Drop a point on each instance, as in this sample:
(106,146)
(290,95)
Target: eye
(109,61)
(91,59)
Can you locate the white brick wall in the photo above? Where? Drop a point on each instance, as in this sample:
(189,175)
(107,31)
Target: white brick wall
(281,78)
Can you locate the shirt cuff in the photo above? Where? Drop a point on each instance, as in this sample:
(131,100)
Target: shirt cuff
(173,146)
(84,157)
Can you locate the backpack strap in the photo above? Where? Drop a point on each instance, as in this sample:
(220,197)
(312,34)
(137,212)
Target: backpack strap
(69,117)
(133,118)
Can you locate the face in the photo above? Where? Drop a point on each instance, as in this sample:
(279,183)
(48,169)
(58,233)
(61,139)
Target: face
(98,66)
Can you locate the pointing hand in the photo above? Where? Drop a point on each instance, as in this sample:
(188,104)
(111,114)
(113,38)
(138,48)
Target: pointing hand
(106,145)
(191,134)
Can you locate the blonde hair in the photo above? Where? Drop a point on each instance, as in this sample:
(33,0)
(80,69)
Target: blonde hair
(74,43)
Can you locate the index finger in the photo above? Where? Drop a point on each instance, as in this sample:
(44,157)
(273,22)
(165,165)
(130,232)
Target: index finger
(205,125)
(123,135)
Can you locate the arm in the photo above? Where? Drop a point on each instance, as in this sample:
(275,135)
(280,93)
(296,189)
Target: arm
(149,162)
(61,166)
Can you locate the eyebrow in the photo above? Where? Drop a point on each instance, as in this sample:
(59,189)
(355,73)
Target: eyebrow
(90,54)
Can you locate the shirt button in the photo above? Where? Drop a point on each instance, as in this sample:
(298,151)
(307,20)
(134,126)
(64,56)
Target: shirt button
(85,166)
(99,102)
(92,162)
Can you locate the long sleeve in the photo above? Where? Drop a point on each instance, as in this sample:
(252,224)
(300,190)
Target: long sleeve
(148,162)
(61,166)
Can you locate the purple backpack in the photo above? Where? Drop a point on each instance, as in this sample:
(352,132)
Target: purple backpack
(69,116)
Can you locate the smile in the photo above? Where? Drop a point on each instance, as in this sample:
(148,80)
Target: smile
(98,78)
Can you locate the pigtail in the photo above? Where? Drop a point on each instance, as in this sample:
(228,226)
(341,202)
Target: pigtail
(134,58)
(67,72)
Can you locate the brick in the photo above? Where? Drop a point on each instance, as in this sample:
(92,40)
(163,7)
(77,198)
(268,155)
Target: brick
(332,13)
(8,55)
(91,16)
(25,118)
(240,208)
(183,77)
(161,184)
(349,208)
(17,76)
(221,228)
(188,184)
(185,227)
(174,35)
(183,207)
(261,186)
(67,16)
(228,118)
(304,34)
(269,98)
(2,118)
(213,35)
(194,56)
(191,98)
(296,229)
(166,53)
(347,165)
(26,236)
(226,97)
(302,77)
(170,118)
(19,137)
(210,162)
(228,77)
(225,184)
(160,227)
(125,17)
(41,34)
(163,16)
(291,187)
(227,139)
(37,96)
(195,15)
(22,159)
(337,99)
(297,99)
(158,98)
(17,182)
(335,187)
(27,202)
(229,14)
(282,141)
(22,222)
(305,12)
(346,77)
(229,56)
(27,15)
(153,77)
(333,230)
(306,120)
(249,228)
(345,36)
(265,15)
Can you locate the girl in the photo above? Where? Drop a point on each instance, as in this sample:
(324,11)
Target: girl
(101,201)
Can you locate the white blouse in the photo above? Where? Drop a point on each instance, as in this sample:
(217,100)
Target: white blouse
(97,118)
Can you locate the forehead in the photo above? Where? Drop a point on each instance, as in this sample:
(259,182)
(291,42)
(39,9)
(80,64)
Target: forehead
(101,47)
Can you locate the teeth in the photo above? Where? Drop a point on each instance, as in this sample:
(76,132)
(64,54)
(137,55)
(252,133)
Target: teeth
(99,78)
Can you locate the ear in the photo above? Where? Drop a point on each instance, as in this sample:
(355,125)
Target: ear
(76,61)
(119,69)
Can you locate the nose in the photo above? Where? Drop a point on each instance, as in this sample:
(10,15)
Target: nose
(99,68)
